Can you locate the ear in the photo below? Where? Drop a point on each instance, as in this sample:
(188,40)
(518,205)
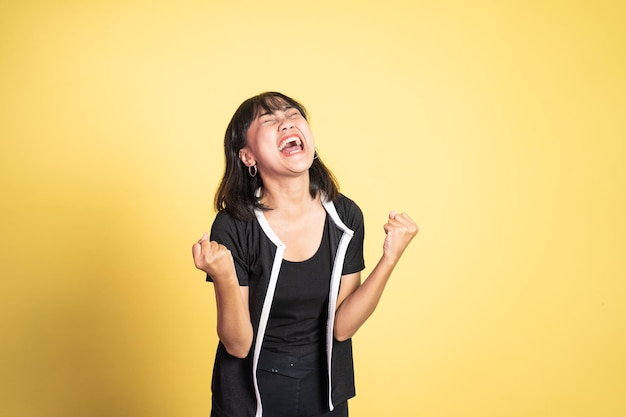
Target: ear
(246,157)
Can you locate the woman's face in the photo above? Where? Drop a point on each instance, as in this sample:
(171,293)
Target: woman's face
(279,142)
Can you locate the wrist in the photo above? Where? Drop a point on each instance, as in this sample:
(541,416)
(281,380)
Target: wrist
(224,281)
(389,260)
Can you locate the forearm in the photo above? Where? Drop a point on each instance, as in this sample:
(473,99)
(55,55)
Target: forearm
(360,305)
(234,327)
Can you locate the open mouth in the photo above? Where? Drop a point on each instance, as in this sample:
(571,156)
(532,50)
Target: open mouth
(290,145)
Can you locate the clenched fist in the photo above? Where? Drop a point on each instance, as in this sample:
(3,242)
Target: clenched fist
(214,259)
(400,230)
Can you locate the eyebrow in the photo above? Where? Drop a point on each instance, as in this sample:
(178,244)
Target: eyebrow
(270,112)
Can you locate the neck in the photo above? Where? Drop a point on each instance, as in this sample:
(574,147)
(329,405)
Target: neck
(288,196)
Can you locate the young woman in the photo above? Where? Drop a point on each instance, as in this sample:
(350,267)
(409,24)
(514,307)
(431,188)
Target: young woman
(285,256)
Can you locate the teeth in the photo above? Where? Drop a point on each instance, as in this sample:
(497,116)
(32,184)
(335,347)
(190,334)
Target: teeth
(289,140)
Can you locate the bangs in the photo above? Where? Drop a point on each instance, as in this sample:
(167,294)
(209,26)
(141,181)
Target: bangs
(272,101)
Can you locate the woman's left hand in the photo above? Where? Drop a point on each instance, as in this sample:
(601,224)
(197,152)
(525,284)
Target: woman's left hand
(400,230)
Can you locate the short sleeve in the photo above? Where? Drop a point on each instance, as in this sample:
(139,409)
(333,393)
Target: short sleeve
(231,233)
(353,218)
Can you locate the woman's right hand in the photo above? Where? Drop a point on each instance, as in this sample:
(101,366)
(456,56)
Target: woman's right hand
(213,258)
(234,327)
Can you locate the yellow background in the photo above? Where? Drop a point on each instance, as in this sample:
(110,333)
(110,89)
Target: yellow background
(498,125)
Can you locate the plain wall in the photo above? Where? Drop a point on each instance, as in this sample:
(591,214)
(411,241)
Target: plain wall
(497,125)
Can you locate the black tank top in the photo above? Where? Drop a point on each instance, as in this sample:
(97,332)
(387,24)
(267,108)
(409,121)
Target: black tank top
(297,322)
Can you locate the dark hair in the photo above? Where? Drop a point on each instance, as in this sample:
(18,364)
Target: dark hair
(237,192)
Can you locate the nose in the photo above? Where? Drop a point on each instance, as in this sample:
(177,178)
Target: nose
(285,124)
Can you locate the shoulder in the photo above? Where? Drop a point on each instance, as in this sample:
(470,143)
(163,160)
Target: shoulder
(223,220)
(225,223)
(345,205)
(349,211)
(226,217)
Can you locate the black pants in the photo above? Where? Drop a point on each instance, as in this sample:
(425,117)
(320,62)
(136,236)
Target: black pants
(295,387)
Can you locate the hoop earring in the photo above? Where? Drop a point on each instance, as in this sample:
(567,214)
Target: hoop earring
(252,170)
(316,155)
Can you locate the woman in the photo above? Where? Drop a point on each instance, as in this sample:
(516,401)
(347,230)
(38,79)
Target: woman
(285,256)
